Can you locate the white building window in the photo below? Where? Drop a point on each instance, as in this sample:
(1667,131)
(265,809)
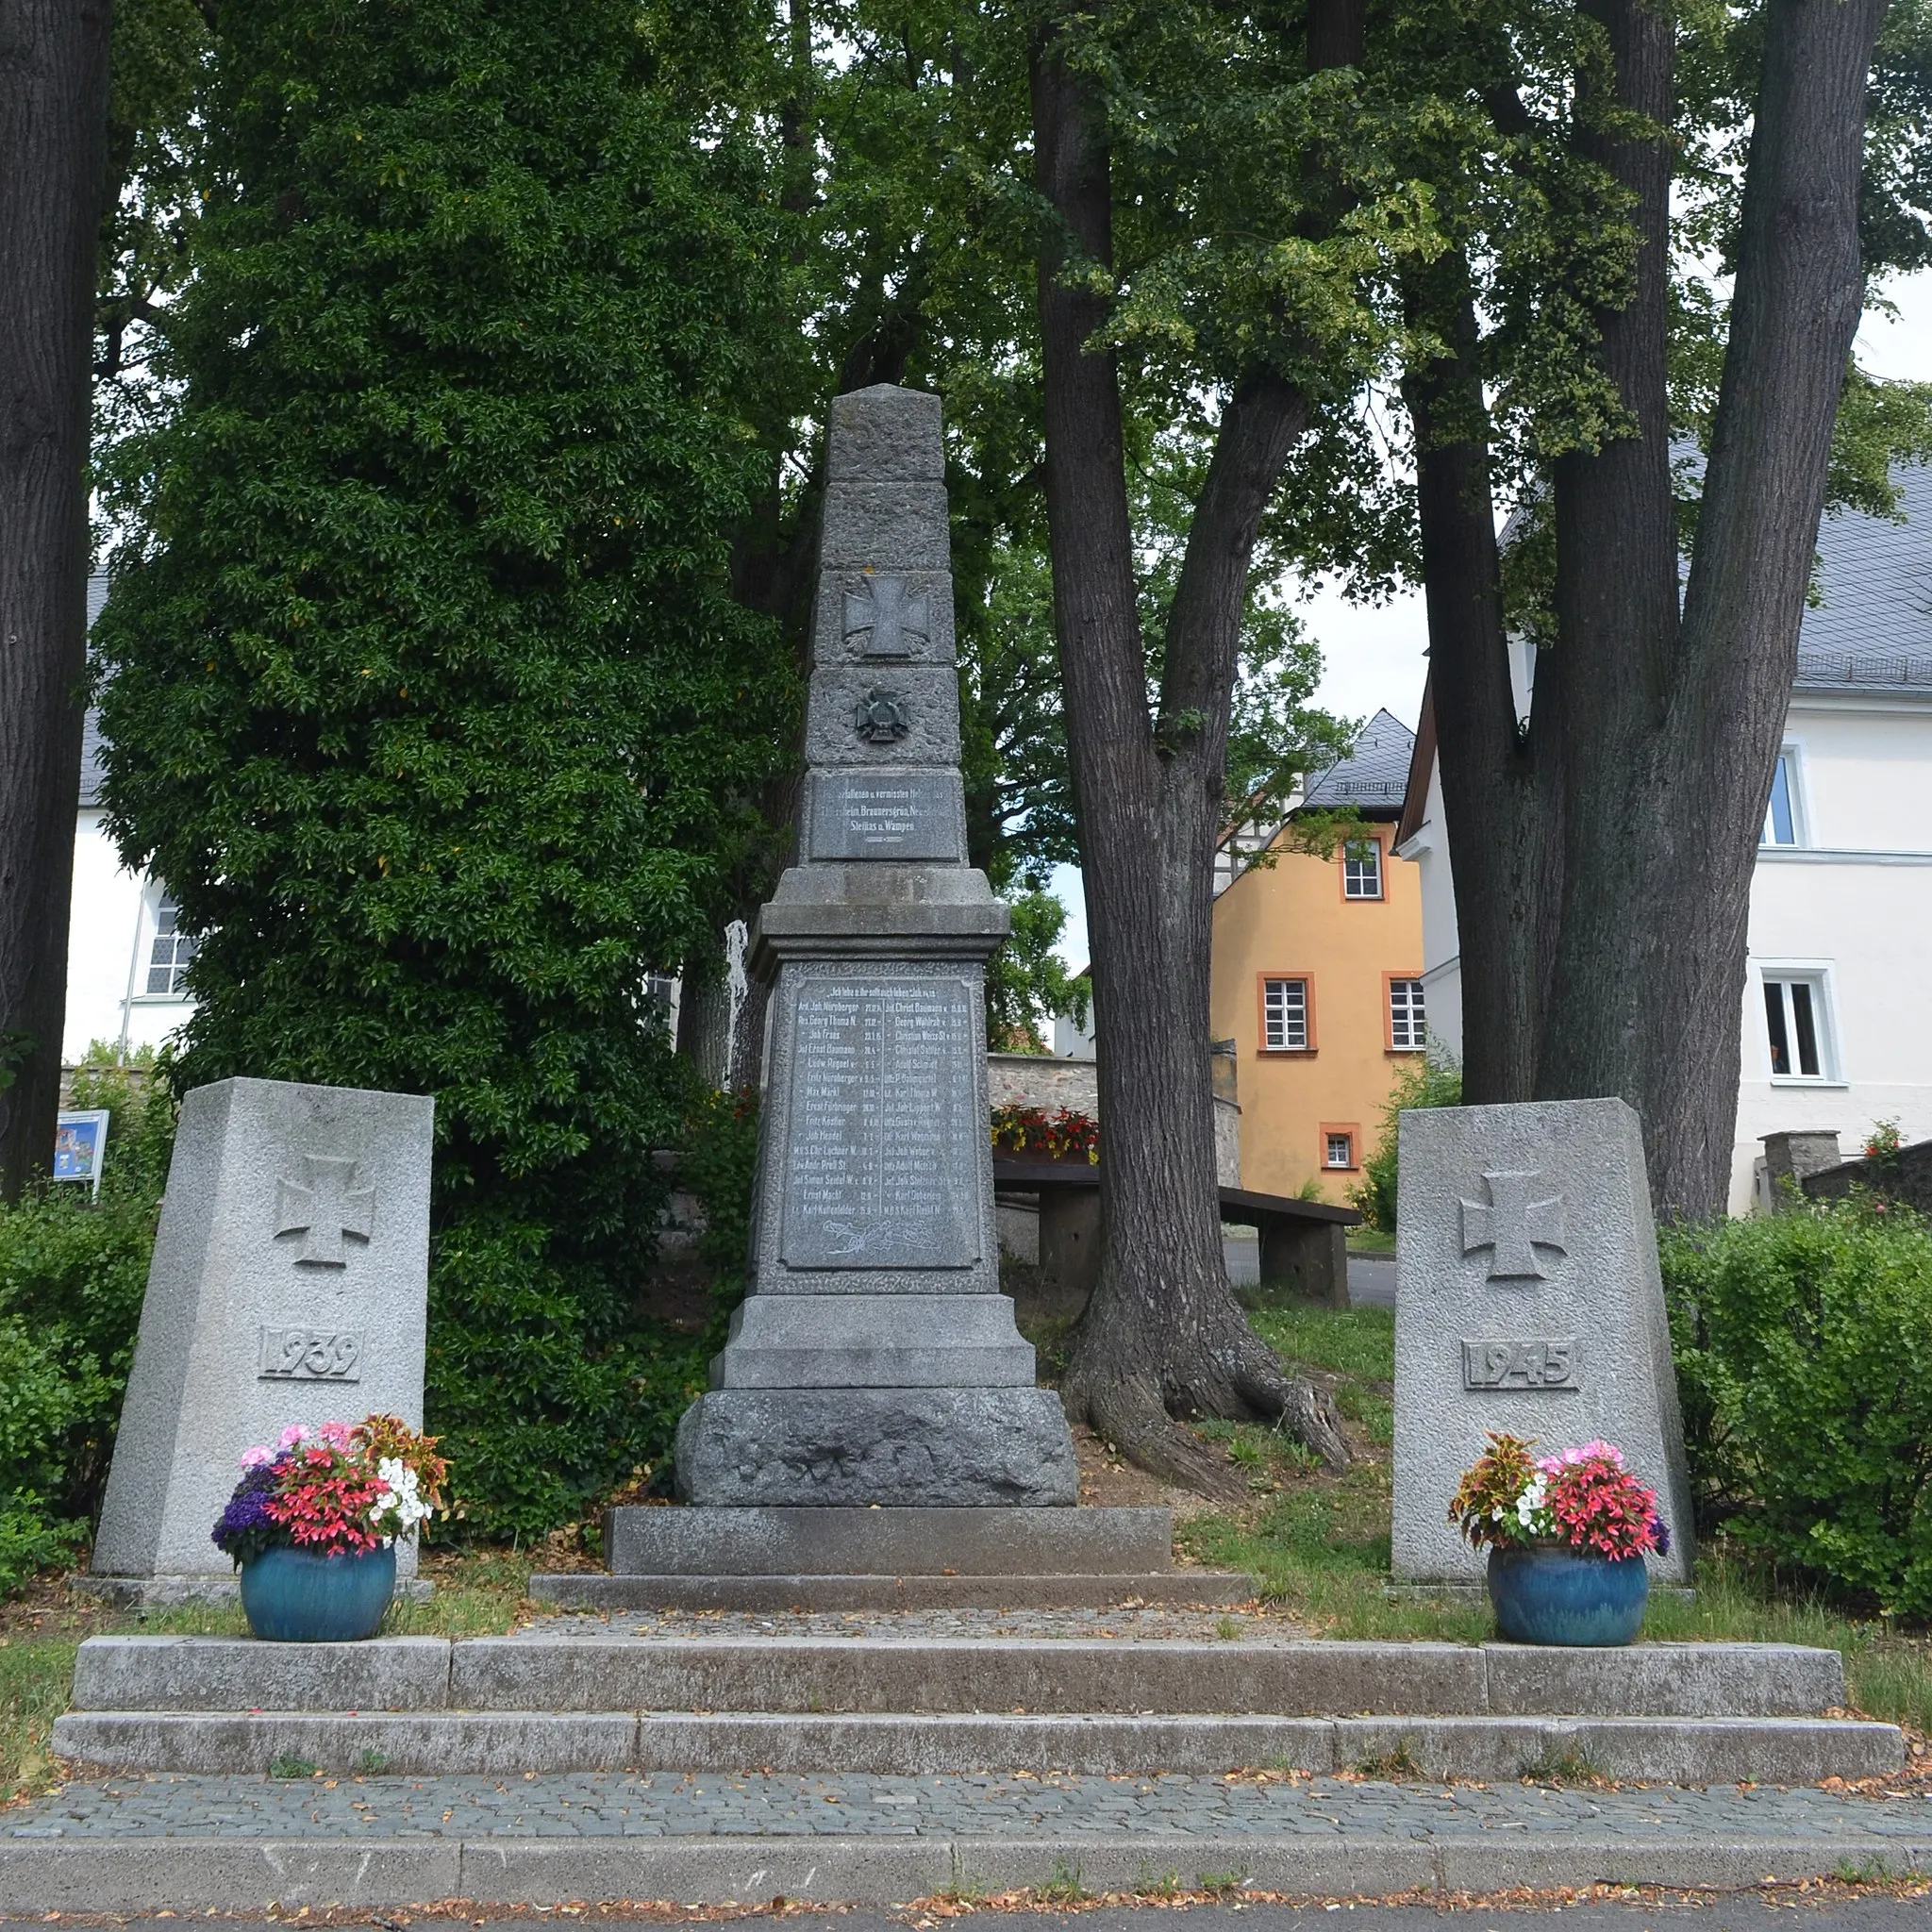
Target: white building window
(1797,1024)
(1337,1149)
(1285,1015)
(1409,1031)
(169,951)
(1784,822)
(1361,869)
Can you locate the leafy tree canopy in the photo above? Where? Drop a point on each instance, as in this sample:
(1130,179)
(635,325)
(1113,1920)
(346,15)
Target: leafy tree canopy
(425,688)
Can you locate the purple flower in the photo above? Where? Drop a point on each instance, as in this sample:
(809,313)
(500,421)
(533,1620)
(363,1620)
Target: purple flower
(1663,1534)
(245,1529)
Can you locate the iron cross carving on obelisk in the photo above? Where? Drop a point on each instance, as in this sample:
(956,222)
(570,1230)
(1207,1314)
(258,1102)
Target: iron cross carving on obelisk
(1512,1226)
(323,1206)
(892,617)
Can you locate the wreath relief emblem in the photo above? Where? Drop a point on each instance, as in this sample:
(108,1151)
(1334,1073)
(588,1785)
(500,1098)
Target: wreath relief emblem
(881,716)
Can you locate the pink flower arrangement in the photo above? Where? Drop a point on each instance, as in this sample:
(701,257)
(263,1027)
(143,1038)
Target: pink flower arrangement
(1582,1499)
(339,1490)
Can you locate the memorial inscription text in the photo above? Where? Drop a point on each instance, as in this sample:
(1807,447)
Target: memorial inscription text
(882,815)
(1525,1364)
(883,1162)
(310,1354)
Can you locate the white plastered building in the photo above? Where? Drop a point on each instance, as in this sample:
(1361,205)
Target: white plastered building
(125,960)
(1838,1011)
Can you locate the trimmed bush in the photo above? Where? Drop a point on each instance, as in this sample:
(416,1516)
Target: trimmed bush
(73,1270)
(1804,1351)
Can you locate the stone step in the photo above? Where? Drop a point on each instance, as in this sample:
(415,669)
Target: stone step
(1696,1751)
(594,1591)
(605,1669)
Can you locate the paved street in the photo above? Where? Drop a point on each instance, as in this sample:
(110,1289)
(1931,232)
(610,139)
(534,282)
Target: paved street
(1776,1911)
(1370,1278)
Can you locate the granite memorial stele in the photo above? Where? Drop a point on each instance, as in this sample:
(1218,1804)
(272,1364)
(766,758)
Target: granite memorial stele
(288,1284)
(875,1360)
(1527,1298)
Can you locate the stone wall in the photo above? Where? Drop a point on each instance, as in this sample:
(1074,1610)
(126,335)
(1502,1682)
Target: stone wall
(1038,1079)
(1906,1177)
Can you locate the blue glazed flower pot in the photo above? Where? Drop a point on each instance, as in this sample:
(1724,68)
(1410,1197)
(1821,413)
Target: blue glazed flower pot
(296,1597)
(1567,1596)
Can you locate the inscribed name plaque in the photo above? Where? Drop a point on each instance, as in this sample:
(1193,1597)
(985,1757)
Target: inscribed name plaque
(883,1158)
(905,815)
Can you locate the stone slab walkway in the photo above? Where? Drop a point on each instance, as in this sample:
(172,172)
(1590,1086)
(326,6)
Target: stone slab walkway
(196,1844)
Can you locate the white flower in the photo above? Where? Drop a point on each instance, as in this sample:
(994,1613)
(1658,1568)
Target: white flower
(405,1495)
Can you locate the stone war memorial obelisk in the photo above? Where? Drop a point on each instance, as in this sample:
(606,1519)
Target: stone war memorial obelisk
(873,1436)
(875,1360)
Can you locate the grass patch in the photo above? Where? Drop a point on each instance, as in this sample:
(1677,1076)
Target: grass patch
(478,1593)
(35,1677)
(1319,1544)
(1358,1342)
(1370,1241)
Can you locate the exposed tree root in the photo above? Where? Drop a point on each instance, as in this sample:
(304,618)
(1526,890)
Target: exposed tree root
(1242,1382)
(1130,1413)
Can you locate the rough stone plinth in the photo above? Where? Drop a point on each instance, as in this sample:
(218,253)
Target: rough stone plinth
(288,1284)
(1527,1299)
(947,1448)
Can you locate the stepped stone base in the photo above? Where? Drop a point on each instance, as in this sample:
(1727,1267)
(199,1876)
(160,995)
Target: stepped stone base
(589,1590)
(885,1542)
(971,1448)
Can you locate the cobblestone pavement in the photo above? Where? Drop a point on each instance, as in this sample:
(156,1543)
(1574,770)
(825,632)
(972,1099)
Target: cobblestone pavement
(1148,1624)
(615,1804)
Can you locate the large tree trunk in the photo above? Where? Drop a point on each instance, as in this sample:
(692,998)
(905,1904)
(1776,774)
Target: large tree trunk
(53,157)
(1799,294)
(1162,1336)
(1655,734)
(1505,815)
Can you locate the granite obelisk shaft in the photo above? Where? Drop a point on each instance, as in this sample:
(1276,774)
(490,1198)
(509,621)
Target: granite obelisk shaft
(874,1360)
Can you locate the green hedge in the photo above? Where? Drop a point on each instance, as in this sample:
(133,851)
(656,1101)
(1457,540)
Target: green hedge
(72,1272)
(1804,1351)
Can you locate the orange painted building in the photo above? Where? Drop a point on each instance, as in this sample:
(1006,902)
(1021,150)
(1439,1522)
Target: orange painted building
(1318,966)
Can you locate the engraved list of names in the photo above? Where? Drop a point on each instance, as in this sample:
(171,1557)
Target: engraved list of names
(883,1166)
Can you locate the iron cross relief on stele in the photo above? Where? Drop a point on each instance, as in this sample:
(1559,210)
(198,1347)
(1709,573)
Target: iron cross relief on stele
(1513,1227)
(324,1206)
(890,618)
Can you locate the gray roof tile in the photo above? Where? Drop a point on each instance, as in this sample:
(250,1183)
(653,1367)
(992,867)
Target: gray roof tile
(1375,775)
(1873,629)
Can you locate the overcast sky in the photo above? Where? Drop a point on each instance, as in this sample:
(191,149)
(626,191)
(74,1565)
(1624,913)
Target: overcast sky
(1374,656)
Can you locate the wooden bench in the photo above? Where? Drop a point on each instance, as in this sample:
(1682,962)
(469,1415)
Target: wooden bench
(1304,1243)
